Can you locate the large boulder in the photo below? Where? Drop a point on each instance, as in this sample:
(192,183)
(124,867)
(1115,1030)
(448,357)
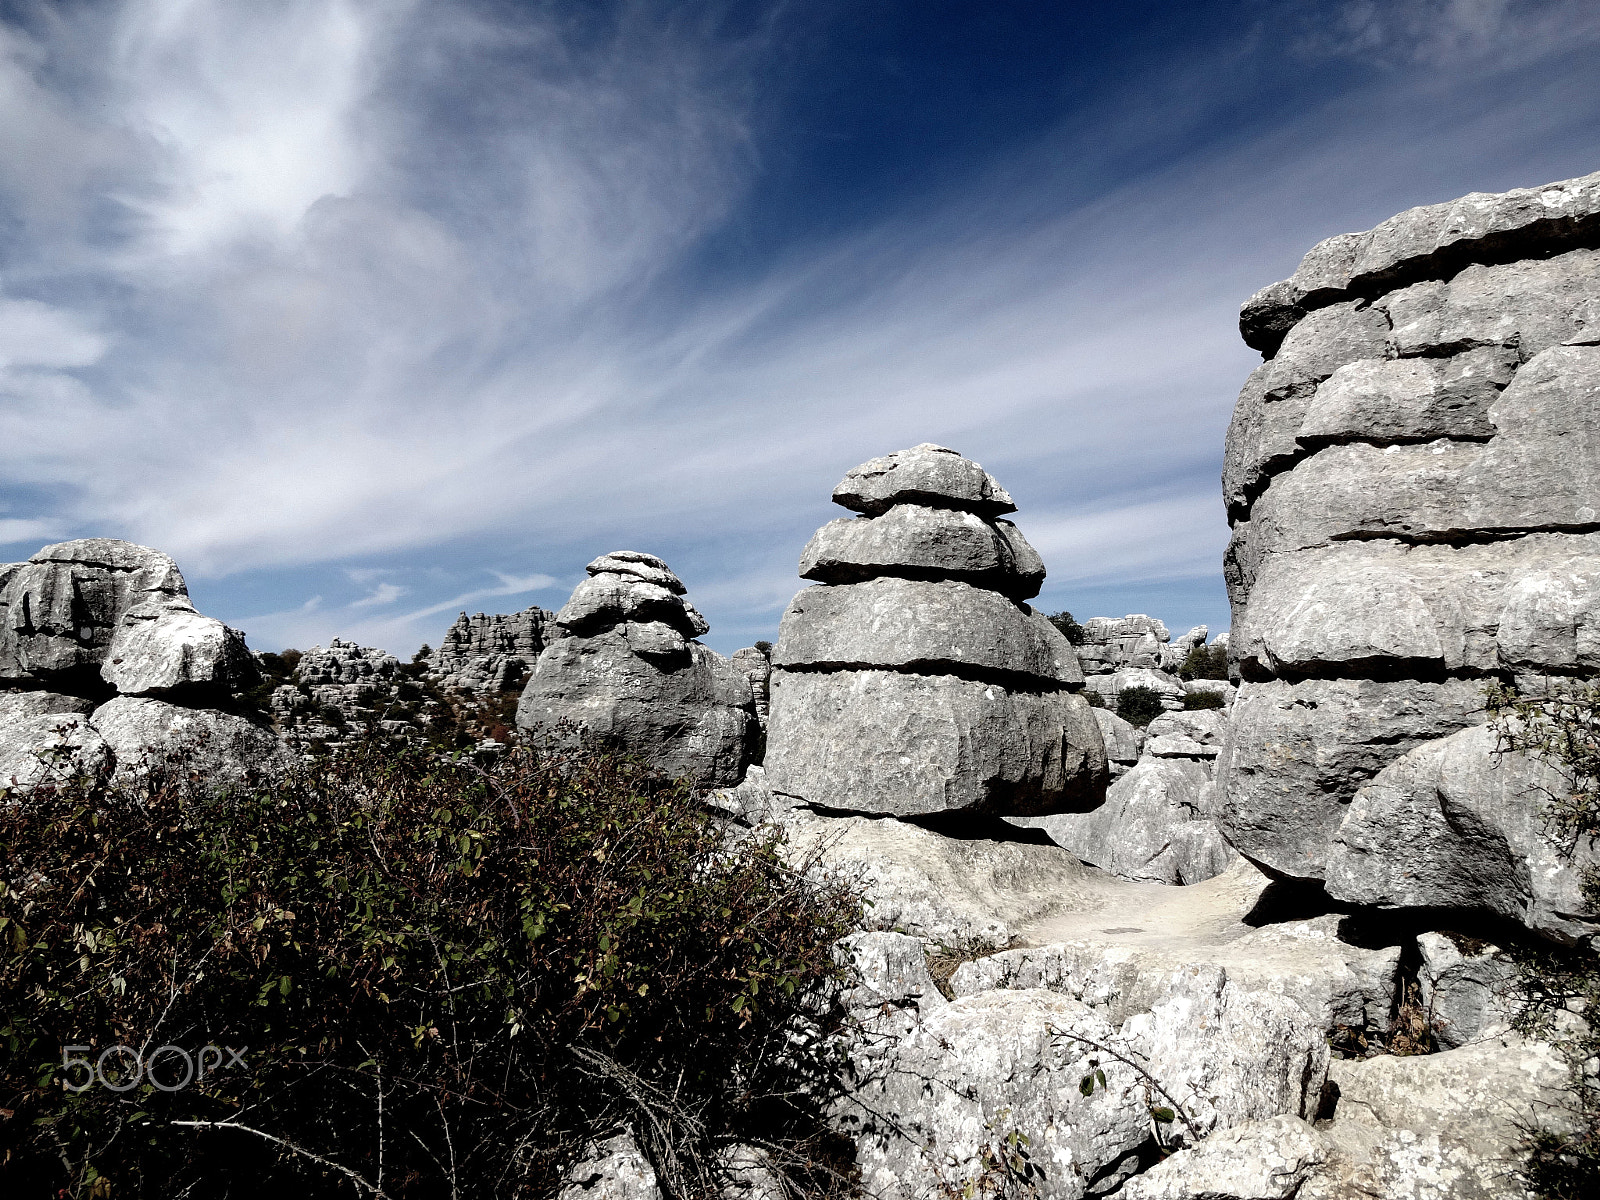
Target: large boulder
(1411,478)
(1157,825)
(625,673)
(915,681)
(222,748)
(1471,823)
(1296,753)
(97,615)
(46,736)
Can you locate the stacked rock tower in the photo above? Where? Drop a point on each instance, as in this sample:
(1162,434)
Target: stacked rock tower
(623,670)
(1413,477)
(917,680)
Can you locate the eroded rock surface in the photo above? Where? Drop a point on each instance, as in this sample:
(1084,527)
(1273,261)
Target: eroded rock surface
(488,654)
(1411,478)
(624,671)
(915,681)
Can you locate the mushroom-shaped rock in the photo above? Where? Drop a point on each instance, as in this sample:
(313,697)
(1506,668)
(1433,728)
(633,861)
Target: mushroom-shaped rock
(625,674)
(925,474)
(915,681)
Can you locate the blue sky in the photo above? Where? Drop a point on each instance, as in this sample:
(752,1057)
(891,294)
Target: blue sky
(368,312)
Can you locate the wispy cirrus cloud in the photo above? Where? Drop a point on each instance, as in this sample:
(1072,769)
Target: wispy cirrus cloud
(372,298)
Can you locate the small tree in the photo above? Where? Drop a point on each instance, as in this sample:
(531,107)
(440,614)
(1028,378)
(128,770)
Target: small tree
(1139,706)
(1205,662)
(1068,625)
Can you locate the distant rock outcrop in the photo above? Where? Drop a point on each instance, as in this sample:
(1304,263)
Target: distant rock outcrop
(916,680)
(488,654)
(623,670)
(1412,479)
(340,695)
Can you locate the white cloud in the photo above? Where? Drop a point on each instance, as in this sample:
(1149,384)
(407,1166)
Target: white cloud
(384,593)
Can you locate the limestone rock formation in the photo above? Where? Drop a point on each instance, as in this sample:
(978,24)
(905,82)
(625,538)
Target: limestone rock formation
(106,665)
(1112,644)
(343,694)
(756,664)
(98,616)
(1453,824)
(915,680)
(487,654)
(1411,478)
(623,670)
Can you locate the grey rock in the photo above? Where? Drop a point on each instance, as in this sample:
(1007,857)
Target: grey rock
(639,565)
(1229,1054)
(340,694)
(224,749)
(913,625)
(750,1173)
(891,970)
(1385,401)
(1466,988)
(1438,1125)
(640,688)
(1540,472)
(924,474)
(1124,742)
(1452,824)
(1112,644)
(615,1169)
(1524,604)
(928,542)
(1297,753)
(757,667)
(1528,306)
(488,654)
(969,1074)
(14,705)
(163,647)
(74,606)
(1263,435)
(1434,241)
(605,601)
(1195,735)
(45,747)
(1156,826)
(971,893)
(1254,1160)
(912,744)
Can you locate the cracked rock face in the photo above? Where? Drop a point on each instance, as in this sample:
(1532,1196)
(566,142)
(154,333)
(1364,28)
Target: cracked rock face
(915,680)
(622,670)
(97,615)
(486,654)
(1412,479)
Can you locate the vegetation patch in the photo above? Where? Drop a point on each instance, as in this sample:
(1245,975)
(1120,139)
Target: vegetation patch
(403,973)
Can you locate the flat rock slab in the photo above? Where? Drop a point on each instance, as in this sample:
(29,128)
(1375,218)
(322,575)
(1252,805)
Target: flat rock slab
(925,542)
(925,474)
(909,745)
(914,625)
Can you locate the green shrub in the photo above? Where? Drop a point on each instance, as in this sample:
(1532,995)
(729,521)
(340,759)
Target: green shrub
(1205,662)
(1095,699)
(1139,705)
(1561,725)
(447,974)
(1195,701)
(1068,625)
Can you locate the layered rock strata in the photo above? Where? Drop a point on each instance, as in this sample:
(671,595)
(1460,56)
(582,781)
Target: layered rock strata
(916,680)
(623,669)
(342,694)
(487,654)
(1411,478)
